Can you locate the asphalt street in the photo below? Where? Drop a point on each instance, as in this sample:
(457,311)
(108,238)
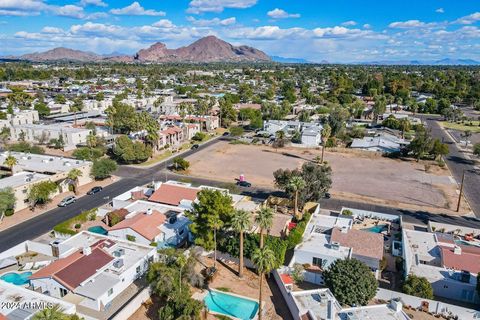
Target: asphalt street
(457,163)
(132,177)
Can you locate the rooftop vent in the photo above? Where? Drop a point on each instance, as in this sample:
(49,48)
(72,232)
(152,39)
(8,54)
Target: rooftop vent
(87,251)
(457,250)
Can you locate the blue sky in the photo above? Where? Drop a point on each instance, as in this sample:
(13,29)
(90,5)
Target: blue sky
(317,30)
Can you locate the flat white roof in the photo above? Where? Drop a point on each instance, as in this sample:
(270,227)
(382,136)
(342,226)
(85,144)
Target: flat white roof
(319,243)
(320,302)
(43,163)
(374,312)
(30,301)
(21,178)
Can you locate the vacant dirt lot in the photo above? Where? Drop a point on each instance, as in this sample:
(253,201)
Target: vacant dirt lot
(363,177)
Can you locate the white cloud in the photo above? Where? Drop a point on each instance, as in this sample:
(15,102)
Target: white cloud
(201,6)
(36,7)
(470,19)
(18,13)
(52,30)
(135,9)
(98,3)
(409,24)
(70,11)
(349,23)
(212,22)
(281,14)
(440,10)
(164,23)
(367,26)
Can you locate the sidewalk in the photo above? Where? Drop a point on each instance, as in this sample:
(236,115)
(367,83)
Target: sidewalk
(26,214)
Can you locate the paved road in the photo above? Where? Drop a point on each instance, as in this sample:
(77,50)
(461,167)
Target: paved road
(457,163)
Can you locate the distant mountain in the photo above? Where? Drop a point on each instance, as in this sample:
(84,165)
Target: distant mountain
(62,54)
(288,60)
(208,49)
(442,62)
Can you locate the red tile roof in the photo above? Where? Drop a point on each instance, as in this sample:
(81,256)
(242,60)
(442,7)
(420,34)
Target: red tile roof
(467,260)
(363,243)
(173,194)
(72,270)
(144,224)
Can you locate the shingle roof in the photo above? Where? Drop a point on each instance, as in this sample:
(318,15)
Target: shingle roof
(172,194)
(467,260)
(363,243)
(144,224)
(72,270)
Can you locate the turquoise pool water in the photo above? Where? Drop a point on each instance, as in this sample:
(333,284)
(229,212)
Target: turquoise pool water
(18,279)
(376,229)
(465,243)
(99,230)
(232,306)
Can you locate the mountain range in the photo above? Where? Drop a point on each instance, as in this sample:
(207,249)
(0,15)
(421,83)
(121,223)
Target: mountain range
(207,49)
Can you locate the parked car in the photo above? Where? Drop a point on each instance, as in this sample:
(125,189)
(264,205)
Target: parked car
(94,190)
(226,133)
(244,184)
(67,201)
(194,147)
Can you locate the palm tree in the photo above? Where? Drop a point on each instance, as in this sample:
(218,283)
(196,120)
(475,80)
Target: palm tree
(216,224)
(326,133)
(54,313)
(404,125)
(264,219)
(264,259)
(10,162)
(296,183)
(240,223)
(73,175)
(181,262)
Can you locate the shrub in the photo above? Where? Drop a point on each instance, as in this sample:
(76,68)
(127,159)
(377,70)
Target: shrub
(78,226)
(9,212)
(180,164)
(199,136)
(418,287)
(131,238)
(236,131)
(26,147)
(103,168)
(296,235)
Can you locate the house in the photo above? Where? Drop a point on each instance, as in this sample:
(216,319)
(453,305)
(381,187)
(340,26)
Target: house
(93,270)
(311,132)
(171,136)
(174,194)
(451,263)
(385,143)
(35,168)
(328,238)
(20,303)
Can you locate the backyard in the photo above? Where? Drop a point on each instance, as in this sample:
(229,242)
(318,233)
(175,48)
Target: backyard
(360,176)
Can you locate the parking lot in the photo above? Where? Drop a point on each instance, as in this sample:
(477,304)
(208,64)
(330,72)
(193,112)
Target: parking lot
(362,177)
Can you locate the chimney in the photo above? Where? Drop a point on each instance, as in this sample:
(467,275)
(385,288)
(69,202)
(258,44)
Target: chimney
(149,211)
(396,305)
(87,251)
(457,250)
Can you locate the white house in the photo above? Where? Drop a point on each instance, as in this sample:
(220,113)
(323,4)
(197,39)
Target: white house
(93,270)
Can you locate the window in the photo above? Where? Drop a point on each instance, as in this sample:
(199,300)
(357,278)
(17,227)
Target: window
(63,292)
(110,292)
(317,262)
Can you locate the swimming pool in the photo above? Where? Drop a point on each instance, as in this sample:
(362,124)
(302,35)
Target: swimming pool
(98,229)
(18,279)
(376,229)
(231,305)
(465,243)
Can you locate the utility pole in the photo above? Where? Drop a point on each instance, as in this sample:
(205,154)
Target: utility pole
(461,191)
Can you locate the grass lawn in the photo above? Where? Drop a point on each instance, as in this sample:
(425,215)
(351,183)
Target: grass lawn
(474,128)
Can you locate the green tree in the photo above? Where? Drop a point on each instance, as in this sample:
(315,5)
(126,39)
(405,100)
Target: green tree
(7,200)
(73,176)
(121,117)
(103,168)
(404,126)
(241,223)
(439,149)
(10,162)
(476,149)
(264,259)
(296,184)
(40,193)
(60,98)
(212,208)
(54,313)
(326,132)
(42,109)
(128,151)
(100,96)
(379,107)
(180,164)
(351,281)
(264,220)
(421,144)
(227,113)
(418,287)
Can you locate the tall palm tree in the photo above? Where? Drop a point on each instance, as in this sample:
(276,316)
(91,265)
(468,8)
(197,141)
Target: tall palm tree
(264,259)
(326,133)
(54,313)
(240,223)
(73,175)
(296,184)
(181,262)
(10,162)
(264,219)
